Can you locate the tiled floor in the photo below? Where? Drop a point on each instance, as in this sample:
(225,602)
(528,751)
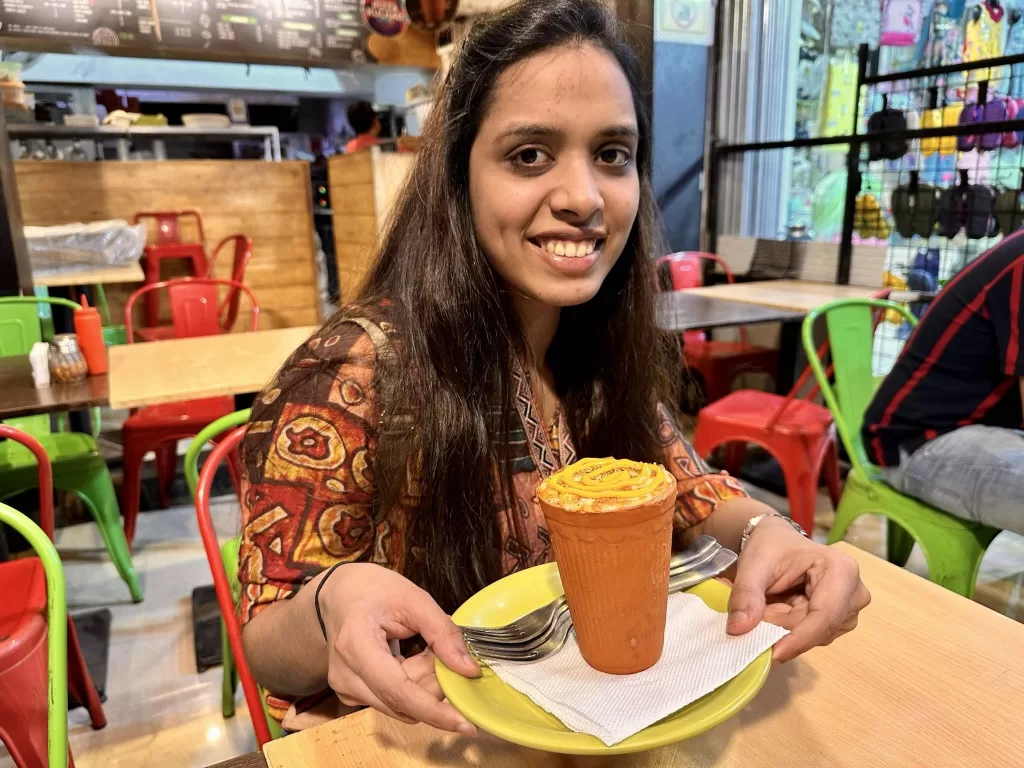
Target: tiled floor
(162,713)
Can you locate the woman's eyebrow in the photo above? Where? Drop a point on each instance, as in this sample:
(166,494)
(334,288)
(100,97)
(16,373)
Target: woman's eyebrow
(539,130)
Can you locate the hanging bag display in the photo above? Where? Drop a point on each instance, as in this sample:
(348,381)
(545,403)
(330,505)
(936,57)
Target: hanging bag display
(914,208)
(884,121)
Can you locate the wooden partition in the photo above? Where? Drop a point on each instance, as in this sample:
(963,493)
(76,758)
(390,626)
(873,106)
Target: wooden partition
(363,189)
(269,202)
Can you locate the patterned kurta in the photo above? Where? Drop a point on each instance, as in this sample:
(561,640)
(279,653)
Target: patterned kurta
(308,483)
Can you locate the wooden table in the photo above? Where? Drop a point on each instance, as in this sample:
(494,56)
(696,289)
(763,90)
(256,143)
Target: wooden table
(20,397)
(205,366)
(928,679)
(796,295)
(683,311)
(131,273)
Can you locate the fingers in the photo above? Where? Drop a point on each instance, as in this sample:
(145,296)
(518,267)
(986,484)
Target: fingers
(746,602)
(356,693)
(388,681)
(440,632)
(420,669)
(832,603)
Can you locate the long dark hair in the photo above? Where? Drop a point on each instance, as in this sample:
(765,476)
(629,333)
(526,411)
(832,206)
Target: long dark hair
(447,402)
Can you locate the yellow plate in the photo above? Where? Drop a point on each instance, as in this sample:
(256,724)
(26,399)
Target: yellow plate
(498,709)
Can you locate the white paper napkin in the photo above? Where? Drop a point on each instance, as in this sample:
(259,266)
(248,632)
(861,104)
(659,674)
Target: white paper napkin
(699,656)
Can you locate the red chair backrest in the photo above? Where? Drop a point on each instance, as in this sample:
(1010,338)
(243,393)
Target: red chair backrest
(221,586)
(168,224)
(194,307)
(228,310)
(686,269)
(44,472)
(821,352)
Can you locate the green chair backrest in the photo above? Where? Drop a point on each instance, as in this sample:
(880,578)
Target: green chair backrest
(57,633)
(851,334)
(19,326)
(19,330)
(207,433)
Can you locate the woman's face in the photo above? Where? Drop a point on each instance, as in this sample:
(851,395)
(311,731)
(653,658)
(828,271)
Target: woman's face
(553,182)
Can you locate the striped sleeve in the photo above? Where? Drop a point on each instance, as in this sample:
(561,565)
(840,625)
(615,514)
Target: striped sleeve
(1006,311)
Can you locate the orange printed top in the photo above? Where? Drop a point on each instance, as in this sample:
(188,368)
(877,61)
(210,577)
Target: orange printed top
(308,486)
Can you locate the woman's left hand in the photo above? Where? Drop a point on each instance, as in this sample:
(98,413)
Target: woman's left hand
(812,590)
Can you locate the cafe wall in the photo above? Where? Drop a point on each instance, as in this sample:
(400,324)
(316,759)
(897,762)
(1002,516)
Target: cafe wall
(269,202)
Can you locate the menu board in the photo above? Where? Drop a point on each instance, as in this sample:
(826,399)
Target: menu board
(299,31)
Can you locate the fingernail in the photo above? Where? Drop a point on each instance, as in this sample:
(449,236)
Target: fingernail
(466,728)
(737,617)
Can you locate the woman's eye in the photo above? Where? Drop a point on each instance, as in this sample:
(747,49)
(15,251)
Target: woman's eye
(613,156)
(531,157)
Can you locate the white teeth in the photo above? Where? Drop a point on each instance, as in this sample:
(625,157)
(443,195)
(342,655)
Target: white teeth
(570,249)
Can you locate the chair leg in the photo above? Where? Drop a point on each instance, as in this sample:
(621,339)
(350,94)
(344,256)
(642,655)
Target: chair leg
(166,467)
(734,454)
(802,493)
(80,683)
(229,681)
(898,544)
(131,484)
(830,468)
(954,556)
(97,491)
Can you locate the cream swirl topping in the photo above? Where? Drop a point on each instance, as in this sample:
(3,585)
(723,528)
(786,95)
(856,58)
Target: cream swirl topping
(605,485)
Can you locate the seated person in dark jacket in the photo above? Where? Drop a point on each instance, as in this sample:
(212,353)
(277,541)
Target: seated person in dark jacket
(945,425)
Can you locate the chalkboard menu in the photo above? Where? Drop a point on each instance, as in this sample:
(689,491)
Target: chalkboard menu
(323,32)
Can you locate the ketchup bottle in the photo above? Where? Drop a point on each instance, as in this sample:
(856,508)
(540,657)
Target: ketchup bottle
(89,329)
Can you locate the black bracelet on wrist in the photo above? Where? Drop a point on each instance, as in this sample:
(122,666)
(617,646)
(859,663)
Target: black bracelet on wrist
(316,600)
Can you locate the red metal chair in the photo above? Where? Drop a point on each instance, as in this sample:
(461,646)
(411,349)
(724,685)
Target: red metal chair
(717,362)
(194,312)
(797,432)
(169,245)
(23,639)
(228,310)
(226,449)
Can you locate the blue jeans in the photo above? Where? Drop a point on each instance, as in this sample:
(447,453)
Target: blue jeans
(975,473)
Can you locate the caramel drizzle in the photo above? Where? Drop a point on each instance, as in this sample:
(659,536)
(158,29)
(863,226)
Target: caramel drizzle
(607,479)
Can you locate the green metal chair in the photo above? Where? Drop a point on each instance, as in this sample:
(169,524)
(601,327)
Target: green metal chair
(229,555)
(57,640)
(953,548)
(78,466)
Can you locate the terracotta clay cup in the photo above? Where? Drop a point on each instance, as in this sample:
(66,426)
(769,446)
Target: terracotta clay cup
(611,528)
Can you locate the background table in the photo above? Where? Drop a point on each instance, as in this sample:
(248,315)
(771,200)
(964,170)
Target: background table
(205,366)
(684,311)
(20,397)
(131,273)
(928,679)
(796,295)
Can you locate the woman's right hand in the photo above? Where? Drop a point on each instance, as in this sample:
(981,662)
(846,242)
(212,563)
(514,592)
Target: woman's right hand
(364,608)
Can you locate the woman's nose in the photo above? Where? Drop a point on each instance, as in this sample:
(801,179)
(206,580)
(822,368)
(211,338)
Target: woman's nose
(576,193)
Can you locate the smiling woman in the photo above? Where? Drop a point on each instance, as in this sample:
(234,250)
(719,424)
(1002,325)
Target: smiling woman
(506,329)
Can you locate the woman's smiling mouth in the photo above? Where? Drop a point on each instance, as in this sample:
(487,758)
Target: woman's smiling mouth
(568,256)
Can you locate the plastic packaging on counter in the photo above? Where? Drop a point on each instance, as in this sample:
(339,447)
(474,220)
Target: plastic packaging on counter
(114,243)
